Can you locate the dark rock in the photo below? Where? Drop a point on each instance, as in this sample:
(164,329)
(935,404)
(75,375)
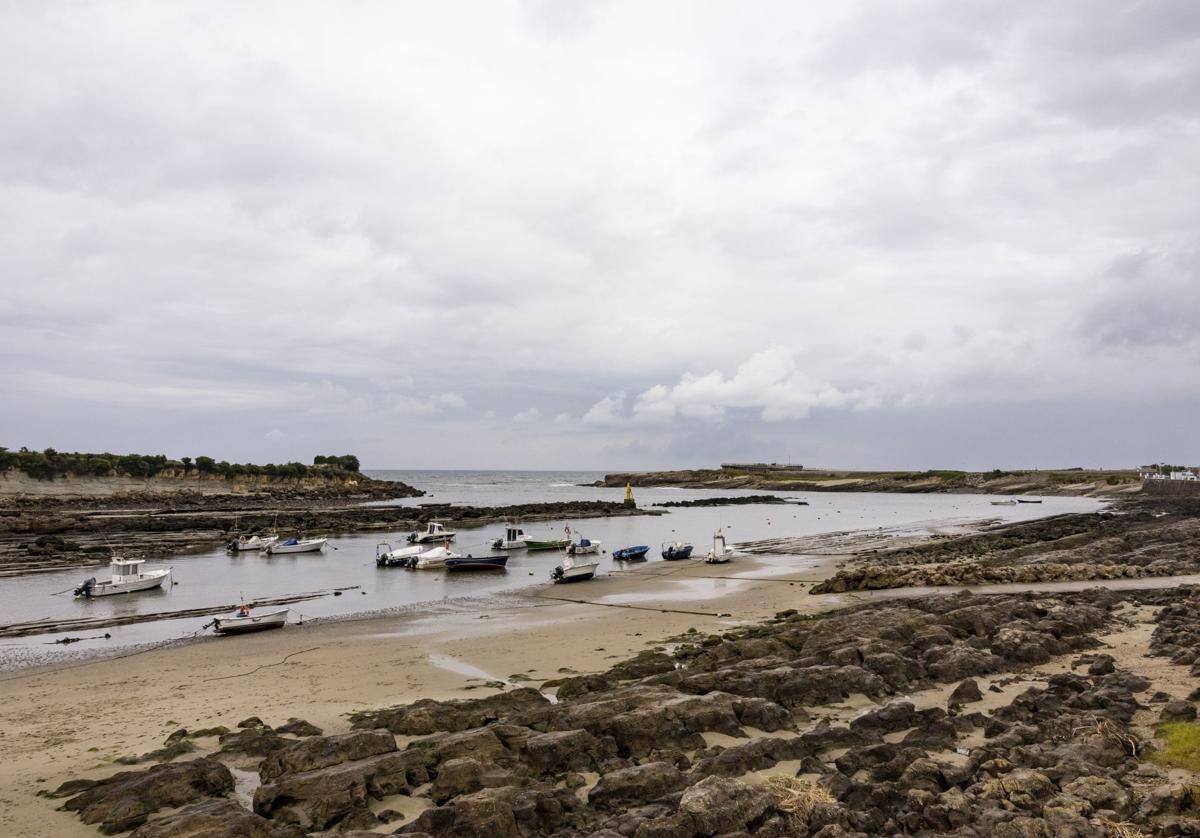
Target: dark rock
(966,693)
(217,818)
(1178,711)
(252,741)
(253,721)
(124,800)
(639,784)
(717,805)
(299,727)
(1102,665)
(427,716)
(324,751)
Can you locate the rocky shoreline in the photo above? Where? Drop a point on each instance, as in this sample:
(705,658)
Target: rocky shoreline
(1151,537)
(977,715)
(1073,482)
(45,535)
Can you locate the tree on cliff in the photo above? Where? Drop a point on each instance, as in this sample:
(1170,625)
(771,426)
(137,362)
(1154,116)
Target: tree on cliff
(205,465)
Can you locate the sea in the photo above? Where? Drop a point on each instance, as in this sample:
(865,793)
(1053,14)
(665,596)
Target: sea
(215,578)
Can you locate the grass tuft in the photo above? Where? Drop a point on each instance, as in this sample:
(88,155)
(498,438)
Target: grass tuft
(797,798)
(1179,745)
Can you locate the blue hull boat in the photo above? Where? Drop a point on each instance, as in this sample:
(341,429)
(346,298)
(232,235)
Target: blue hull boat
(631,553)
(675,552)
(477,563)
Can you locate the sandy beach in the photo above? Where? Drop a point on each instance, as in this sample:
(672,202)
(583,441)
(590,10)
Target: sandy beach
(61,723)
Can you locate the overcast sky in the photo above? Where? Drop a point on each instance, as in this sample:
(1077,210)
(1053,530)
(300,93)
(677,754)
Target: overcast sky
(603,234)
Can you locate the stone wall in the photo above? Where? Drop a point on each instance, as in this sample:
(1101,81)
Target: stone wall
(1174,488)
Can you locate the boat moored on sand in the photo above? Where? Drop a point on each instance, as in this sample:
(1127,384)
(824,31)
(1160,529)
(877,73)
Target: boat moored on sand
(674,551)
(719,553)
(127,577)
(629,554)
(575,569)
(243,621)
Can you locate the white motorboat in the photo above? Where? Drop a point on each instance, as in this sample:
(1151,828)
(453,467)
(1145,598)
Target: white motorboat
(243,543)
(296,545)
(433,532)
(583,546)
(514,538)
(575,569)
(243,620)
(127,578)
(385,556)
(1009,502)
(719,553)
(434,559)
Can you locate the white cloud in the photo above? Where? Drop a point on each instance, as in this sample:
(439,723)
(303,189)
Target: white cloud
(531,414)
(606,411)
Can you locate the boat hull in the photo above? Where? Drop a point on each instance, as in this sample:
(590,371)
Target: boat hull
(255,622)
(630,554)
(547,545)
(154,580)
(575,574)
(477,563)
(676,554)
(311,546)
(250,545)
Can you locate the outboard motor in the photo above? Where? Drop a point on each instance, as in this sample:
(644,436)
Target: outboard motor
(86,588)
(557,573)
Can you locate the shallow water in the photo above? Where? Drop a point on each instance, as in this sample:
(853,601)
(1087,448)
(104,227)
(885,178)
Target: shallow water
(216,579)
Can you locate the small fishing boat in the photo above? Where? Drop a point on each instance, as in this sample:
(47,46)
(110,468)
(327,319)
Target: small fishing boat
(575,569)
(628,554)
(433,559)
(1024,500)
(583,546)
(719,554)
(469,562)
(556,544)
(243,621)
(244,543)
(514,538)
(127,578)
(674,551)
(1009,502)
(296,545)
(433,532)
(385,556)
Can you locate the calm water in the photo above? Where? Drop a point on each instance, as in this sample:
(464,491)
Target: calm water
(216,578)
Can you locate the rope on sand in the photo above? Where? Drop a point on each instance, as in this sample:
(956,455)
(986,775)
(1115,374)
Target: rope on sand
(257,668)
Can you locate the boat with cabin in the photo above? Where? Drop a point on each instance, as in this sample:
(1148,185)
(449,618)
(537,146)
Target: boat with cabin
(244,621)
(385,556)
(469,562)
(719,553)
(432,559)
(433,531)
(673,551)
(296,545)
(575,569)
(629,554)
(244,543)
(583,546)
(127,577)
(514,538)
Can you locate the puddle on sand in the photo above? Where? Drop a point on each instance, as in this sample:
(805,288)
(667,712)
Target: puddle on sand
(244,785)
(679,590)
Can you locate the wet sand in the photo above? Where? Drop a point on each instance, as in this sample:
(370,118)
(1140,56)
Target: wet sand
(66,722)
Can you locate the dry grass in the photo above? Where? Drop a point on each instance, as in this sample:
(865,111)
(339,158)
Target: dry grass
(1124,830)
(797,798)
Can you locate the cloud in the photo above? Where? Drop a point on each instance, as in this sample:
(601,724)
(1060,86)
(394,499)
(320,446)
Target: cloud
(607,411)
(694,238)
